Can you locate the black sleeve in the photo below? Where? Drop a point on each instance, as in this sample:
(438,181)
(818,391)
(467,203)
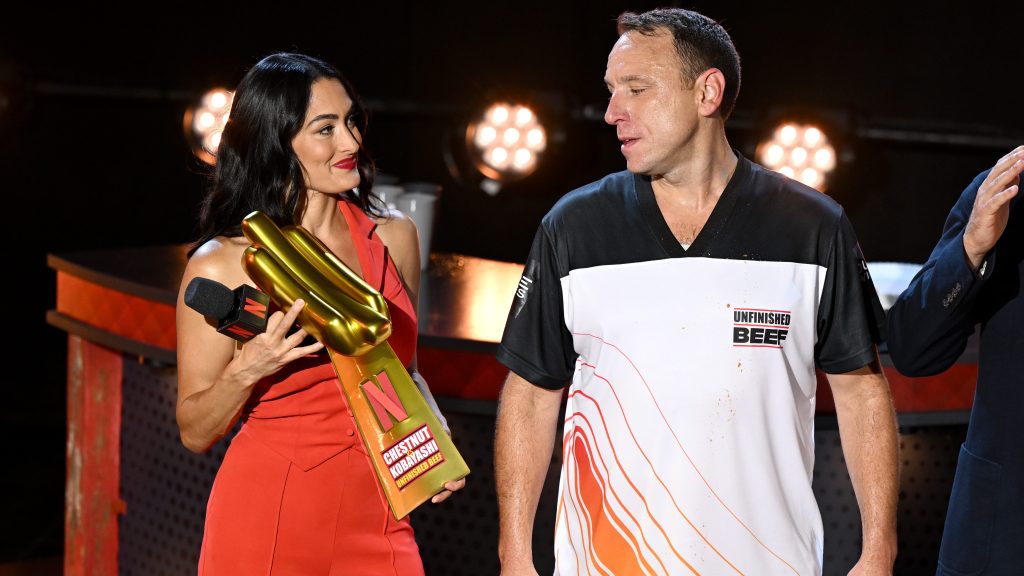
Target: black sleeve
(930,322)
(850,317)
(536,344)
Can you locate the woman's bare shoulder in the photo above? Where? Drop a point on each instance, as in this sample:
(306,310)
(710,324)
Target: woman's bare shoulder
(219,259)
(399,234)
(395,225)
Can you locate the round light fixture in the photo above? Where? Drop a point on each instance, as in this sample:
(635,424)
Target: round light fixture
(800,151)
(506,142)
(205,122)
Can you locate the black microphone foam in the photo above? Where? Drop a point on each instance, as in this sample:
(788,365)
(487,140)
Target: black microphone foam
(240,313)
(209,298)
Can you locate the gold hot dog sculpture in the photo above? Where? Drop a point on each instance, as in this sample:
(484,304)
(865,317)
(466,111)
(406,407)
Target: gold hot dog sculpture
(412,455)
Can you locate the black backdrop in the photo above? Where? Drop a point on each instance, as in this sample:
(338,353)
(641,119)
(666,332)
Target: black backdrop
(92,154)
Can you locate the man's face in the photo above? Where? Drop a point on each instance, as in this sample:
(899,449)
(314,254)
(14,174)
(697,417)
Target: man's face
(652,107)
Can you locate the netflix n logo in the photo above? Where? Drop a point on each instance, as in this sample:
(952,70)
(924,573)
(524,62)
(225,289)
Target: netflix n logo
(258,309)
(380,393)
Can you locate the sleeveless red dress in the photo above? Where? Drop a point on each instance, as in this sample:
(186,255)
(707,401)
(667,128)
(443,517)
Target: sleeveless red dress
(296,493)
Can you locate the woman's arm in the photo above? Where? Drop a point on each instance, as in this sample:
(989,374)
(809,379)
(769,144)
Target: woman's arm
(213,381)
(399,234)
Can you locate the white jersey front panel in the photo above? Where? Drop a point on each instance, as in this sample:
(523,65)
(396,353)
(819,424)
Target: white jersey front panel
(689,422)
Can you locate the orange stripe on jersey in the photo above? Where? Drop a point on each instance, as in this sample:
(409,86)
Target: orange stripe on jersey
(620,556)
(639,493)
(582,514)
(636,491)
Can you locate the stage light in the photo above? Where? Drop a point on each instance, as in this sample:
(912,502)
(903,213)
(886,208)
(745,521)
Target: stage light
(205,121)
(798,156)
(498,157)
(506,141)
(522,158)
(825,159)
(800,151)
(535,139)
(787,134)
(498,114)
(485,136)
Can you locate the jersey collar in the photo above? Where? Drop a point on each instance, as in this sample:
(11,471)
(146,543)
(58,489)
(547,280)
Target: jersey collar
(705,243)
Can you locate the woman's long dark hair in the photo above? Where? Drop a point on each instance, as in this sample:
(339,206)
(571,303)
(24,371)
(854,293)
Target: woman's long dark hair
(256,166)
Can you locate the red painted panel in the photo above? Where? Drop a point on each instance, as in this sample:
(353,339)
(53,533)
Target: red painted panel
(92,497)
(130,316)
(459,374)
(953,390)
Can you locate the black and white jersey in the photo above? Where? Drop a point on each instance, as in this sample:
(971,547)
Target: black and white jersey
(688,443)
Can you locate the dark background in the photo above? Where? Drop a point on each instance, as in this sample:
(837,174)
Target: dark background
(92,154)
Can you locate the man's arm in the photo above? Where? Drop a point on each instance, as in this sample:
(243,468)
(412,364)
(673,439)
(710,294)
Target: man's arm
(930,322)
(525,437)
(867,428)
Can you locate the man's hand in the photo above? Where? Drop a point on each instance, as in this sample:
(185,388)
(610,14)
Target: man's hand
(991,210)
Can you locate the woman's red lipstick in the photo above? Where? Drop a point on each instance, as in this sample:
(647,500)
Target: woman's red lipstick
(346,164)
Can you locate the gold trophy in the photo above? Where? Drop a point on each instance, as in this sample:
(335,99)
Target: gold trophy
(411,453)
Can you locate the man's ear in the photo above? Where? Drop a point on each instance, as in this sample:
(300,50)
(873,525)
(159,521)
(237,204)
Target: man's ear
(709,91)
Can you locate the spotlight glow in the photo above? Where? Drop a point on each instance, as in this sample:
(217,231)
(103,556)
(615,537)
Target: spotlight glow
(506,142)
(498,114)
(205,122)
(810,176)
(773,156)
(212,140)
(812,136)
(798,155)
(824,159)
(522,158)
(787,135)
(219,100)
(485,136)
(801,152)
(535,139)
(523,116)
(499,157)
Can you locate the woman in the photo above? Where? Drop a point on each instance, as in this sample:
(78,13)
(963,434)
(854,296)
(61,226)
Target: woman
(296,491)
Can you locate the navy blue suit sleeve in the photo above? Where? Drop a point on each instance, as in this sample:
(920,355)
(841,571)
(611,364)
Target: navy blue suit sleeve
(932,319)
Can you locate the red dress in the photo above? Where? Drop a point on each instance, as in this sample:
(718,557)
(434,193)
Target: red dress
(296,493)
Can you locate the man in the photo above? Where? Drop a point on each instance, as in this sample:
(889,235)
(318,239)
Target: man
(688,300)
(974,275)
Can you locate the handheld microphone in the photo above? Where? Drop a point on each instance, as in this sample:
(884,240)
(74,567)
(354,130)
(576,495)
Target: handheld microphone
(240,313)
